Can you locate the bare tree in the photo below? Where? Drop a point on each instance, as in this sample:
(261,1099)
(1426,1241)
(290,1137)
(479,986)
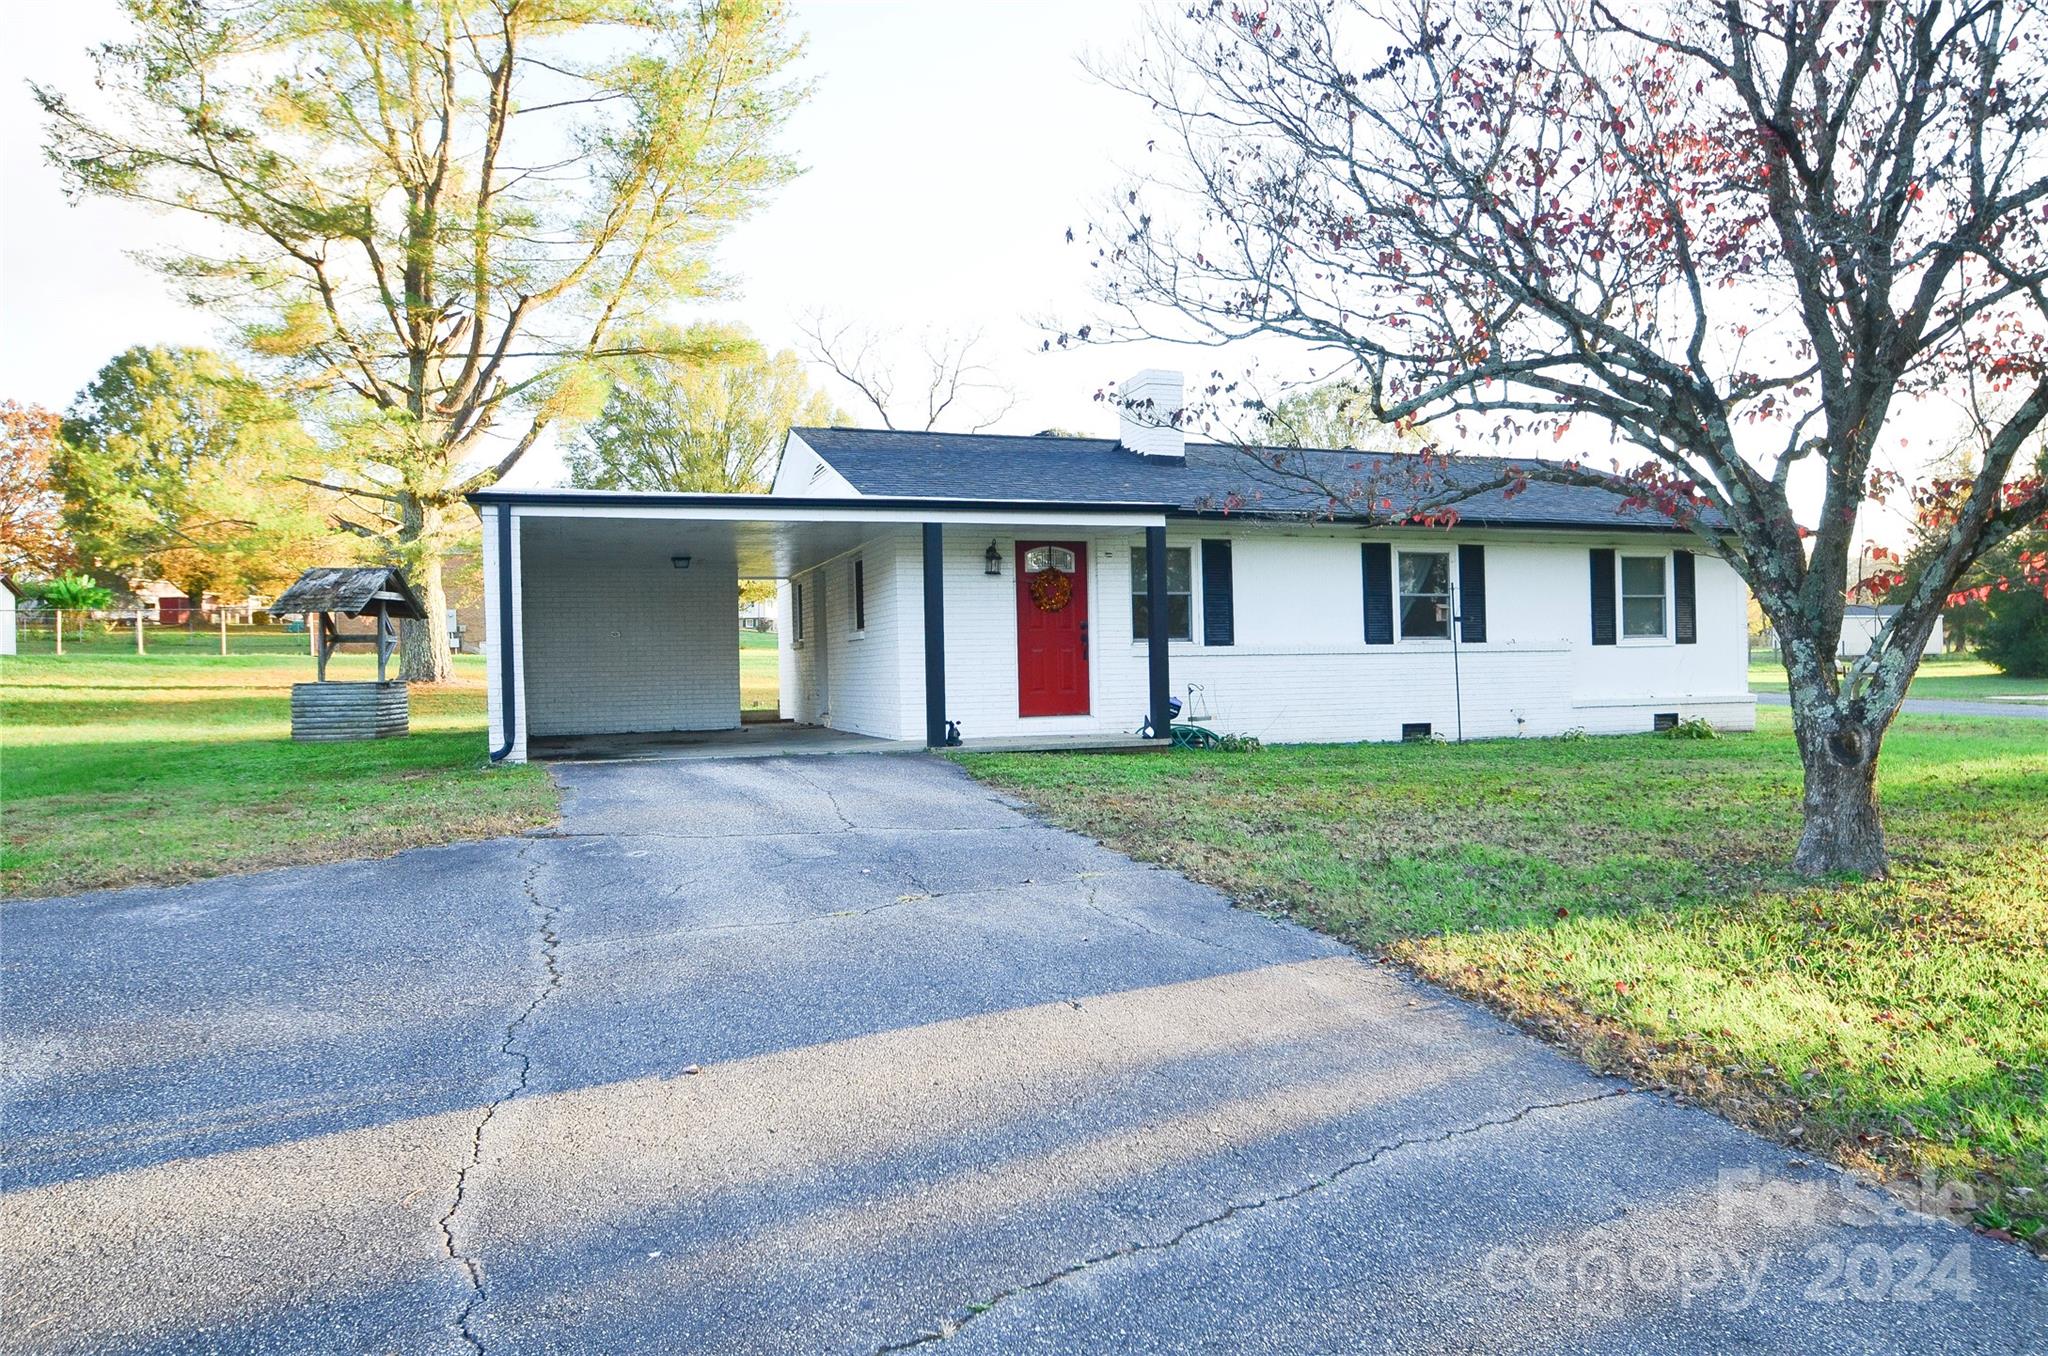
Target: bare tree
(944,381)
(1736,235)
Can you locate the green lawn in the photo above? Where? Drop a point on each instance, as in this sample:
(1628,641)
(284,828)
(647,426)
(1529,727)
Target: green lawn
(760,676)
(118,769)
(1957,677)
(1626,897)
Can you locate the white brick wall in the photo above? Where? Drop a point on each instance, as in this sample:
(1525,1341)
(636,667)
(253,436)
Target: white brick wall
(1300,669)
(625,644)
(865,680)
(803,695)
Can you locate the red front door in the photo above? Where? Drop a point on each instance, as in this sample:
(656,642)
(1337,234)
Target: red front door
(1052,628)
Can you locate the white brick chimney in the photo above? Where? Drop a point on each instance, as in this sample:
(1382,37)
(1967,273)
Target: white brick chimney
(1150,406)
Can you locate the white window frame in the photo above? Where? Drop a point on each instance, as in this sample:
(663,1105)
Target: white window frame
(1621,597)
(1194,597)
(1450,553)
(796,614)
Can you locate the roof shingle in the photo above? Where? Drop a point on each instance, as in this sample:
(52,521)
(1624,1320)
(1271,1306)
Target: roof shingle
(1212,477)
(350,590)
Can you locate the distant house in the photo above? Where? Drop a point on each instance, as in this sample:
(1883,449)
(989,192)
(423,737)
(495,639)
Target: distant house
(8,598)
(168,605)
(162,601)
(1060,588)
(242,613)
(1862,621)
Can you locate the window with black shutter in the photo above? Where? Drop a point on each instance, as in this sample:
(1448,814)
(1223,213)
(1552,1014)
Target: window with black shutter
(1422,594)
(1472,594)
(1180,592)
(860,595)
(1219,609)
(1378,563)
(1685,597)
(1603,595)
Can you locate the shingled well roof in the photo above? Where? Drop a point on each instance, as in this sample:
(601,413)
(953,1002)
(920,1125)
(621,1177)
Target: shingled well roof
(350,590)
(1211,476)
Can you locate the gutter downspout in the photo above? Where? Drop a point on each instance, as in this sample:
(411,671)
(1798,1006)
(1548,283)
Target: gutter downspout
(510,704)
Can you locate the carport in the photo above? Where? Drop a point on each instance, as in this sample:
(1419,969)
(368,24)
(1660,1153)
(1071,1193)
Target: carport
(613,615)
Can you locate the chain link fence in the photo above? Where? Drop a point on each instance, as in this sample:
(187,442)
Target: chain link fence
(36,634)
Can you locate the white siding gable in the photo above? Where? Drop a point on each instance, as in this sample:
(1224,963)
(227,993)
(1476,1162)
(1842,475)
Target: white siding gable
(803,472)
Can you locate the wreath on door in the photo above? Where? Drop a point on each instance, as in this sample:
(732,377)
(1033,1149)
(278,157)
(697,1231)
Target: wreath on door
(1052,590)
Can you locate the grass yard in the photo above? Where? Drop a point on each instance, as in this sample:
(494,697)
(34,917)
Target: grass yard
(1626,896)
(760,674)
(1956,677)
(117,769)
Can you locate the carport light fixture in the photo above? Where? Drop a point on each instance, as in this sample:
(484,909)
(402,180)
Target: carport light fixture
(680,562)
(992,561)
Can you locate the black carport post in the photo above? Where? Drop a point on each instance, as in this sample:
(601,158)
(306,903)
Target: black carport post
(1155,627)
(934,635)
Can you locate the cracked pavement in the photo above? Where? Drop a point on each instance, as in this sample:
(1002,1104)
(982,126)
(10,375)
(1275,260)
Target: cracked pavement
(847,1055)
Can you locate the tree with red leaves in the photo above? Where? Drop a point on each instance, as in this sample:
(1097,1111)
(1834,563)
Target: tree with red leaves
(32,536)
(1739,237)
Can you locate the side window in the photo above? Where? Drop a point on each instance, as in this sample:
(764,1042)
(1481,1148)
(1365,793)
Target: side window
(796,612)
(1642,597)
(860,595)
(1424,604)
(1180,593)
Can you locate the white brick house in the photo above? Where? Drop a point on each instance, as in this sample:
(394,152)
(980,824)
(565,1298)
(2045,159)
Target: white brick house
(1000,584)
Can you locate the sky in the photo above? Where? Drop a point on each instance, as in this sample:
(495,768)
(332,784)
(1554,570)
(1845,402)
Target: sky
(947,149)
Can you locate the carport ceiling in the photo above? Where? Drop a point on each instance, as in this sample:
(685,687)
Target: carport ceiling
(757,549)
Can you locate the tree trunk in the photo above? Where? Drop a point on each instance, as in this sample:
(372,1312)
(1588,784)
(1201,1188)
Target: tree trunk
(1843,834)
(423,645)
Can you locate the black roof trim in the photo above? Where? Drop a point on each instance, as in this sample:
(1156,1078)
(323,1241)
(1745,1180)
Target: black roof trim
(770,503)
(1589,527)
(662,499)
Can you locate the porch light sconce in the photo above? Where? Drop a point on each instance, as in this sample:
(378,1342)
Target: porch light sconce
(992,561)
(680,562)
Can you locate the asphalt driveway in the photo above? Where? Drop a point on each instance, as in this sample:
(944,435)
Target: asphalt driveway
(844,1054)
(2028,709)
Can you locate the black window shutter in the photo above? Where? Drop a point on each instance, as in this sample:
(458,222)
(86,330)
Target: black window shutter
(1686,593)
(1219,603)
(1472,594)
(1379,593)
(1603,596)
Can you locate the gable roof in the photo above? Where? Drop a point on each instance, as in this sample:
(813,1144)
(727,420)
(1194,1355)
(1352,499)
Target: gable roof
(350,590)
(1008,466)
